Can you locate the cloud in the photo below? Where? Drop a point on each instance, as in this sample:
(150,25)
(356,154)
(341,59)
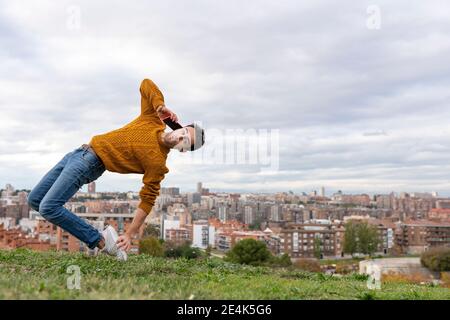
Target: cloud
(357,109)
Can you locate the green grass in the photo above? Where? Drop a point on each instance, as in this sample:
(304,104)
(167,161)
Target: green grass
(27,274)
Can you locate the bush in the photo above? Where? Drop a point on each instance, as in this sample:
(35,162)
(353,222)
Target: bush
(445,278)
(171,250)
(346,268)
(311,265)
(151,231)
(189,252)
(151,246)
(285,260)
(208,251)
(436,259)
(282,261)
(414,277)
(249,251)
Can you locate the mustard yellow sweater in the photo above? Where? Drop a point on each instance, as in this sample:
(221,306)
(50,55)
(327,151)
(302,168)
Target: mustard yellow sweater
(137,147)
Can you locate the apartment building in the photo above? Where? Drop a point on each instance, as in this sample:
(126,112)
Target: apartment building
(439,214)
(414,237)
(64,241)
(203,234)
(15,238)
(225,240)
(178,235)
(306,240)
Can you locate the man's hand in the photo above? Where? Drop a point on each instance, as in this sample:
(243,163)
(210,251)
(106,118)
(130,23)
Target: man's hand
(164,112)
(124,242)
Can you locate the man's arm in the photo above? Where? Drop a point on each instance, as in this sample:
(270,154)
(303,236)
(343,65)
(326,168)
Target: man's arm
(124,241)
(152,97)
(148,194)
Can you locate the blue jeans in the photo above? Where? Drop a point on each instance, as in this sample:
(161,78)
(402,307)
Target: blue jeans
(48,197)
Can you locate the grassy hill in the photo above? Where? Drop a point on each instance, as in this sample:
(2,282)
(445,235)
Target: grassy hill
(26,274)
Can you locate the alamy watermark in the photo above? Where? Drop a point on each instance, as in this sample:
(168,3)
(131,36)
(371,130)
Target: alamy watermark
(374,280)
(256,147)
(73,21)
(74,280)
(373,21)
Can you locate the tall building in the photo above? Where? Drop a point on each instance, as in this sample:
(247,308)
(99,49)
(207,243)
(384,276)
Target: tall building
(91,187)
(199,187)
(8,192)
(202,234)
(249,215)
(275,213)
(322,192)
(223,213)
(22,197)
(172,191)
(169,222)
(194,198)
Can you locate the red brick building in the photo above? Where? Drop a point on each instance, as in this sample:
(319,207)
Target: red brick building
(414,237)
(179,235)
(439,215)
(15,238)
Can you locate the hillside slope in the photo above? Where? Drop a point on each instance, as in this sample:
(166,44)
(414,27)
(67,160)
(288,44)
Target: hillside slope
(26,274)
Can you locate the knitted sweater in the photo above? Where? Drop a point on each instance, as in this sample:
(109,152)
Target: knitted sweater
(137,147)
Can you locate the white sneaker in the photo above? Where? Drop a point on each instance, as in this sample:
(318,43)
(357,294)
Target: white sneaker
(110,236)
(92,252)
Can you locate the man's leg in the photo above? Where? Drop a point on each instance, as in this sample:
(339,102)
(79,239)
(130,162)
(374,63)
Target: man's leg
(80,168)
(40,190)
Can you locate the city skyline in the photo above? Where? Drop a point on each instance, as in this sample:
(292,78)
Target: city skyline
(228,218)
(194,189)
(359,109)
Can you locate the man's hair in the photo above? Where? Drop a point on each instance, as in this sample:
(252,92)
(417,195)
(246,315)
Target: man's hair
(199,134)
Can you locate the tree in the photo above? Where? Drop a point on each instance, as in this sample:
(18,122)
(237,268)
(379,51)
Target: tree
(317,247)
(436,259)
(350,241)
(282,261)
(255,226)
(151,246)
(249,251)
(360,237)
(189,252)
(285,260)
(208,250)
(151,231)
(185,250)
(367,238)
(170,249)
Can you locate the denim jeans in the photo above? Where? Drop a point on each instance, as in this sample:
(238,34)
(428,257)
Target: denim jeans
(48,197)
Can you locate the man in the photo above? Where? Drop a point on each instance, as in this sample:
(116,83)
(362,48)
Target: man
(141,146)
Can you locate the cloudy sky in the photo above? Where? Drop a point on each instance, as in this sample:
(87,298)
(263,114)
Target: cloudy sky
(354,96)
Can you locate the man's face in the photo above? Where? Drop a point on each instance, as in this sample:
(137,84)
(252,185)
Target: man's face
(181,139)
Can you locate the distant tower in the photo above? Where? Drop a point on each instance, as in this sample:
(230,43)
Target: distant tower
(322,192)
(223,213)
(199,187)
(249,216)
(8,192)
(91,187)
(193,198)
